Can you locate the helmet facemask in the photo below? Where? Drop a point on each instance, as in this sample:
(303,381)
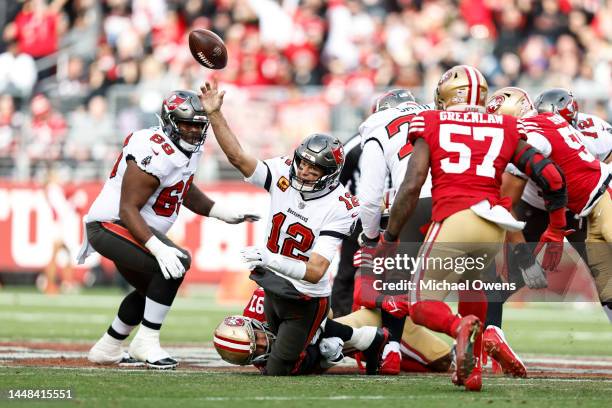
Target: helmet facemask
(308,186)
(242,340)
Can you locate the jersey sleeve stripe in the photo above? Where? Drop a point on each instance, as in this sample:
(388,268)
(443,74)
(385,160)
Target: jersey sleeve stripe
(373,139)
(334,234)
(268,177)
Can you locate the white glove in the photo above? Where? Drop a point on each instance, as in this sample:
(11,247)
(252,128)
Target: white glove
(167,258)
(534,277)
(331,351)
(254,257)
(231,217)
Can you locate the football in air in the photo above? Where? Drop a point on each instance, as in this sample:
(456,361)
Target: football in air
(208,49)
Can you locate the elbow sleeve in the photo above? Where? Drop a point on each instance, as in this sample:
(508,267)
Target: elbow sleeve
(546,174)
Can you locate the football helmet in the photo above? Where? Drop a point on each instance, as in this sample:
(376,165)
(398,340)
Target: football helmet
(184,106)
(560,101)
(461,88)
(240,340)
(323,151)
(391,99)
(511,101)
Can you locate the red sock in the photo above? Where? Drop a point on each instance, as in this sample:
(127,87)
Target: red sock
(410,365)
(435,315)
(474,302)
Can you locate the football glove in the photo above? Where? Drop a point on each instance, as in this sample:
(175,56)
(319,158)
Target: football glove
(533,274)
(364,241)
(167,257)
(254,257)
(229,216)
(397,305)
(552,242)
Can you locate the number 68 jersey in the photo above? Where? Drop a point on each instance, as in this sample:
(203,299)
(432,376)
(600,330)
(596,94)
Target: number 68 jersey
(298,225)
(154,153)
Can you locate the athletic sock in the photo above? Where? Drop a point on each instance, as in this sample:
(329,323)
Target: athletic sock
(154,314)
(335,329)
(435,315)
(119,330)
(362,338)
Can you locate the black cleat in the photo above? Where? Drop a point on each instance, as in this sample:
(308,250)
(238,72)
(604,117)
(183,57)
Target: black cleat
(167,363)
(373,353)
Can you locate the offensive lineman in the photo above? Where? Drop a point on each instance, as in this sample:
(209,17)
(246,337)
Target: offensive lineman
(310,213)
(128,221)
(467,151)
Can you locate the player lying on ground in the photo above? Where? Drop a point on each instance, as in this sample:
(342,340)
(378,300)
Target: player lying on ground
(467,152)
(249,341)
(128,221)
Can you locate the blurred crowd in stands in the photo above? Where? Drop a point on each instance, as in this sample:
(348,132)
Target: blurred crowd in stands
(76,76)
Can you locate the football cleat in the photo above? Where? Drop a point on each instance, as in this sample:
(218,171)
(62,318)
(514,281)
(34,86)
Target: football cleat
(496,346)
(128,361)
(374,352)
(468,329)
(391,364)
(146,348)
(474,380)
(107,350)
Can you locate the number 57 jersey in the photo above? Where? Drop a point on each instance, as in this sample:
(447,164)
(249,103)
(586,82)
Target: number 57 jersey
(299,224)
(469,152)
(154,153)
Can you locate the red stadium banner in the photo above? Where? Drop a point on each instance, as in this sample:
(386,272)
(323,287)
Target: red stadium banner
(33,217)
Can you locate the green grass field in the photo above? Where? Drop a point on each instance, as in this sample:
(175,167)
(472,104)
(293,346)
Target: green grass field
(541,329)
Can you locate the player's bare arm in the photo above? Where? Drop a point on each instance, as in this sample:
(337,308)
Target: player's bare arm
(408,194)
(513,186)
(212,99)
(136,189)
(197,201)
(315,268)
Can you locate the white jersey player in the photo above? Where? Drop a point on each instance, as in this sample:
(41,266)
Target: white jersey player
(385,155)
(310,213)
(127,223)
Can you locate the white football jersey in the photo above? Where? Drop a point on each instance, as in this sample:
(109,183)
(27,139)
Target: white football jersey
(157,155)
(297,227)
(596,135)
(386,152)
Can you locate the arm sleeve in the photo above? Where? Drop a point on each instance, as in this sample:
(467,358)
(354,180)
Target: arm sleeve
(262,176)
(540,143)
(327,246)
(371,187)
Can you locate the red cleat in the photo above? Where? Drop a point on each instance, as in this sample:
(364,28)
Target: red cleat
(474,380)
(495,344)
(391,364)
(468,329)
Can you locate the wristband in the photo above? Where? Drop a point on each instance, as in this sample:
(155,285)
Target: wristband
(287,266)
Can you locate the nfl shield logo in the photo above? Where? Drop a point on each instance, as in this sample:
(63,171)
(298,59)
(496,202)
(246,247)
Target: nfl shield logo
(301,205)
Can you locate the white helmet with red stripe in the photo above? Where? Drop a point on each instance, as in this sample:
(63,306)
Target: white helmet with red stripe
(461,88)
(241,340)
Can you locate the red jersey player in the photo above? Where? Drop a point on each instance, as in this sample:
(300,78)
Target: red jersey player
(467,151)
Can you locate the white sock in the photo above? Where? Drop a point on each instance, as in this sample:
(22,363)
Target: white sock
(392,346)
(147,333)
(155,312)
(361,338)
(110,340)
(121,327)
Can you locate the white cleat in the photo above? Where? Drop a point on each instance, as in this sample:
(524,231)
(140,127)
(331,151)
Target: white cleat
(145,347)
(106,351)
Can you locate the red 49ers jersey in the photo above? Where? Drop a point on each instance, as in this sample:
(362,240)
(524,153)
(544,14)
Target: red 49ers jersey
(255,308)
(468,154)
(558,140)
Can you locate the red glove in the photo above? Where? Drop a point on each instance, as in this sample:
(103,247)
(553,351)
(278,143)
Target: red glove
(397,306)
(553,238)
(386,247)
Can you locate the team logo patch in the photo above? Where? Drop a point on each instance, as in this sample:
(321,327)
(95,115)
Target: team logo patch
(495,103)
(235,321)
(174,102)
(283,183)
(338,155)
(301,205)
(146,161)
(447,75)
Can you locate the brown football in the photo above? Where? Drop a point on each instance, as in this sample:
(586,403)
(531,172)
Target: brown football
(208,49)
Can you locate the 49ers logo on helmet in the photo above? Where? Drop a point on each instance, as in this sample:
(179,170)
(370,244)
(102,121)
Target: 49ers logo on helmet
(174,102)
(234,321)
(495,103)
